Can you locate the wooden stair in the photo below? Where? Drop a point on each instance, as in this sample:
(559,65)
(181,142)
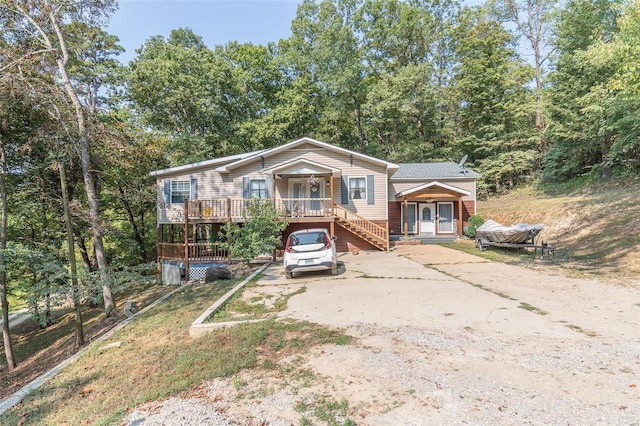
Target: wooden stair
(369,231)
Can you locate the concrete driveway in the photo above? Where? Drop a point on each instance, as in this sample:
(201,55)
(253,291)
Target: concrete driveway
(450,337)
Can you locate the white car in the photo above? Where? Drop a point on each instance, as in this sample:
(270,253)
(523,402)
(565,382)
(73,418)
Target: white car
(310,250)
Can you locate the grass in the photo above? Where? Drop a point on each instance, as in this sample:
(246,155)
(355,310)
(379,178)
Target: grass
(36,349)
(593,225)
(238,309)
(157,359)
(531,308)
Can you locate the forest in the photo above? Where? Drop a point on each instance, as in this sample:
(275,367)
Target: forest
(531,90)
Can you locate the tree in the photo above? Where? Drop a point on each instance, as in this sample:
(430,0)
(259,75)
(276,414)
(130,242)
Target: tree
(260,233)
(490,79)
(45,22)
(579,138)
(533,19)
(180,87)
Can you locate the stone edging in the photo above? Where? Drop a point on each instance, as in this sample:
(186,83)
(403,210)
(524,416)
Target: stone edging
(199,327)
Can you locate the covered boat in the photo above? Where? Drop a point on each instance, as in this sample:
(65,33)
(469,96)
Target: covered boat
(519,233)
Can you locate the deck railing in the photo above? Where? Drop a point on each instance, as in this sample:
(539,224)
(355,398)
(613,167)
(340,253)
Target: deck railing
(200,251)
(222,209)
(306,207)
(235,209)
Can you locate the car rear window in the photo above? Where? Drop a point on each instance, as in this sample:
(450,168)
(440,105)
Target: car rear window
(307,238)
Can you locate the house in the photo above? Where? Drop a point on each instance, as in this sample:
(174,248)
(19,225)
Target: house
(366,202)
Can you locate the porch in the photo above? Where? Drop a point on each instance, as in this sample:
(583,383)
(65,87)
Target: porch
(433,210)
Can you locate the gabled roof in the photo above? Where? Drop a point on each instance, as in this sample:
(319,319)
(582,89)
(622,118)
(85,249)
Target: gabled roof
(448,170)
(206,163)
(301,166)
(434,184)
(391,167)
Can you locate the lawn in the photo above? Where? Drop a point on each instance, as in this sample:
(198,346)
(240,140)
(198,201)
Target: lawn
(154,357)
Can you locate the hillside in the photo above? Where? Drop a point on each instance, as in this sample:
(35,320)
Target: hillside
(596,229)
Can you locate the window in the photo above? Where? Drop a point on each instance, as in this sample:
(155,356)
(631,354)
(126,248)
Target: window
(258,188)
(357,188)
(180,191)
(426,213)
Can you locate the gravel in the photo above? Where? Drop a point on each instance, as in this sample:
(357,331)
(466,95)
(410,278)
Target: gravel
(516,367)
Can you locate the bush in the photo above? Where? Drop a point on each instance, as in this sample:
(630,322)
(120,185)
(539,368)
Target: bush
(259,234)
(474,223)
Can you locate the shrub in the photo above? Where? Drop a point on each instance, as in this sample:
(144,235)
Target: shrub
(259,234)
(474,223)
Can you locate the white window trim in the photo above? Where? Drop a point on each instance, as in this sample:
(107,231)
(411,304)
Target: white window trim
(453,217)
(364,197)
(415,222)
(171,189)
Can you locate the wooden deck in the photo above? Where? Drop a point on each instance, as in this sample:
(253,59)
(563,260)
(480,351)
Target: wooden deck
(236,209)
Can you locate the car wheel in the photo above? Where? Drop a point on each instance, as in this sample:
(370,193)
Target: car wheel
(288,275)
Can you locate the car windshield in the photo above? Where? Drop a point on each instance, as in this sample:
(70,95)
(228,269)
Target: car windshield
(307,238)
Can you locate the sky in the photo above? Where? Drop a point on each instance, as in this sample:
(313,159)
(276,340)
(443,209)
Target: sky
(216,21)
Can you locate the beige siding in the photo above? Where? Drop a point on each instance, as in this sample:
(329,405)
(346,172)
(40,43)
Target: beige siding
(213,185)
(466,184)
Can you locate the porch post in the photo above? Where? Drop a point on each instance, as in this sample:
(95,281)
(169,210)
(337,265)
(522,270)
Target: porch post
(273,195)
(186,240)
(406,218)
(333,209)
(459,216)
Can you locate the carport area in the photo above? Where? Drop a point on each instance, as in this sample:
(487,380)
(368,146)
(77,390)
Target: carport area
(444,337)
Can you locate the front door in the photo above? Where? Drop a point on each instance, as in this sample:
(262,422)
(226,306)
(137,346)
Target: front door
(427,218)
(445,218)
(410,217)
(305,195)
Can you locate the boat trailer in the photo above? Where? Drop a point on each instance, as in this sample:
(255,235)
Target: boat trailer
(483,244)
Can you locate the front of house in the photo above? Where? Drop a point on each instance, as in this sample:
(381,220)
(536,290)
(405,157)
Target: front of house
(362,200)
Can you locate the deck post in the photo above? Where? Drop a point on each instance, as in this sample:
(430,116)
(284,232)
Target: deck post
(459,217)
(186,240)
(160,238)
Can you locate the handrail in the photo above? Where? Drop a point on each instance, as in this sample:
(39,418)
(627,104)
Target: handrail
(364,225)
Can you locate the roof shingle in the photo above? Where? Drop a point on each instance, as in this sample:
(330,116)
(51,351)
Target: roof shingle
(447,169)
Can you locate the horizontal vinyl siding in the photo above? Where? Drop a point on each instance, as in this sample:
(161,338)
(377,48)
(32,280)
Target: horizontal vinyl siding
(213,185)
(467,185)
(210,185)
(360,168)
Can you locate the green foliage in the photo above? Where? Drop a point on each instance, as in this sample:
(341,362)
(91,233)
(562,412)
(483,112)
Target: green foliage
(473,224)
(260,233)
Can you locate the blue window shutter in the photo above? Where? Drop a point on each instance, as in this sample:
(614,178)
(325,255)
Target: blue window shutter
(269,183)
(344,190)
(194,189)
(167,191)
(245,188)
(370,190)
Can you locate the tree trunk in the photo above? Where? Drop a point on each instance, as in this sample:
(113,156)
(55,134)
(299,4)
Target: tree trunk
(6,334)
(85,162)
(134,225)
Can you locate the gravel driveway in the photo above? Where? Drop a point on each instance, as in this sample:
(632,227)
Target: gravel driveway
(443,337)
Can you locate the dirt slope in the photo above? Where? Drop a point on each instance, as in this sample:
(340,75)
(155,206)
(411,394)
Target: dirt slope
(596,230)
